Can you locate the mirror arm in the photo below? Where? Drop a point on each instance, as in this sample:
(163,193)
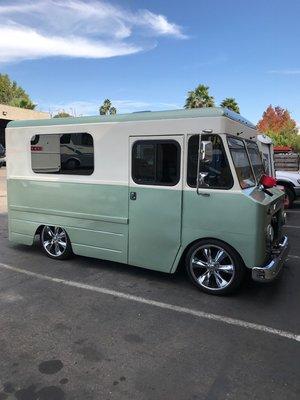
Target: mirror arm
(198,165)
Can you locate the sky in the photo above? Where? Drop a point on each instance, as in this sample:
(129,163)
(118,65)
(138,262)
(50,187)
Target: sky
(146,55)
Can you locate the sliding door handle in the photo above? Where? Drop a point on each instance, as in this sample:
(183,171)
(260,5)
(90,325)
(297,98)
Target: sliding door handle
(132,195)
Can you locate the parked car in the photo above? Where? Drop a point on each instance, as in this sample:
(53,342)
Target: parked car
(290,180)
(2,156)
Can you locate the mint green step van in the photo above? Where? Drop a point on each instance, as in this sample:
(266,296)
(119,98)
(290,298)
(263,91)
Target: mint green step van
(152,189)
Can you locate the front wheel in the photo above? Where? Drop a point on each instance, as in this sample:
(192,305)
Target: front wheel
(288,197)
(55,242)
(214,267)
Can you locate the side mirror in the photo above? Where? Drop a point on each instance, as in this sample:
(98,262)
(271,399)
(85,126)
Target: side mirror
(205,157)
(206,151)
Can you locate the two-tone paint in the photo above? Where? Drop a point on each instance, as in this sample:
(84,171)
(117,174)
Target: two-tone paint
(154,230)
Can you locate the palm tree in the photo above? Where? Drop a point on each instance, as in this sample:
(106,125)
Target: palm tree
(231,104)
(107,108)
(113,110)
(199,98)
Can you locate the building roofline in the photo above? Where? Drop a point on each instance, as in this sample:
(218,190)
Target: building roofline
(11,113)
(137,116)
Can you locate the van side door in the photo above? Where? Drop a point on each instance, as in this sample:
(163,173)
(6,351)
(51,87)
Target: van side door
(155,200)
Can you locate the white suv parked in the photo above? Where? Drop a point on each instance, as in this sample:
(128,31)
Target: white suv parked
(291,182)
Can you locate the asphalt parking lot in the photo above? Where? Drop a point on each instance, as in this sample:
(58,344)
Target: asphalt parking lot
(90,329)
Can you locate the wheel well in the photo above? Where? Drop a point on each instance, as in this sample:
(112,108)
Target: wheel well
(39,230)
(288,184)
(180,264)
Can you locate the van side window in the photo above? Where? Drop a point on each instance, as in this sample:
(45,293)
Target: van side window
(34,140)
(156,162)
(218,171)
(241,162)
(70,154)
(65,139)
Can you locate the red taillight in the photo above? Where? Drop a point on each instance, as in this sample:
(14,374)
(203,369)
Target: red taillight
(267,181)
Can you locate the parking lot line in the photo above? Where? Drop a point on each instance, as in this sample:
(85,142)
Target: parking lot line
(138,299)
(292,226)
(291,256)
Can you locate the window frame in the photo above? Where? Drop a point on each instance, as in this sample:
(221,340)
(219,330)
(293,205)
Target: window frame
(248,141)
(249,160)
(155,142)
(61,144)
(227,159)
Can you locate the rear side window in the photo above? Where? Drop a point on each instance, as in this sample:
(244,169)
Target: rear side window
(156,162)
(70,154)
(218,171)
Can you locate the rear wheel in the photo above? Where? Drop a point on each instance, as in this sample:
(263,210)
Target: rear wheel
(214,267)
(72,164)
(55,242)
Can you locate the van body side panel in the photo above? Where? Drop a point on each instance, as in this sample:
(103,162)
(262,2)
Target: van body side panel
(94,216)
(94,209)
(228,216)
(154,227)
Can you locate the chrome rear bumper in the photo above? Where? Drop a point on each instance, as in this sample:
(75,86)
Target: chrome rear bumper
(271,270)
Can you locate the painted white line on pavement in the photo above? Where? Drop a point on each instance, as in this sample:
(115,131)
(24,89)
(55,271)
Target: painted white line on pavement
(138,299)
(291,226)
(291,256)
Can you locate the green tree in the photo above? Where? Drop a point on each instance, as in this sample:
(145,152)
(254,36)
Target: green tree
(107,108)
(13,95)
(231,104)
(277,123)
(199,98)
(62,114)
(297,144)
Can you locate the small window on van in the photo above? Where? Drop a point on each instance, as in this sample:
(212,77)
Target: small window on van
(156,162)
(241,162)
(65,139)
(69,154)
(218,171)
(34,140)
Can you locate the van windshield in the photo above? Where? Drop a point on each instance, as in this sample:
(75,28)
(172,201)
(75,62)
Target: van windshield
(241,162)
(255,159)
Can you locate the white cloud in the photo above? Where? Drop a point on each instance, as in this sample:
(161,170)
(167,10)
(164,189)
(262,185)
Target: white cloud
(160,25)
(78,108)
(26,43)
(77,28)
(285,71)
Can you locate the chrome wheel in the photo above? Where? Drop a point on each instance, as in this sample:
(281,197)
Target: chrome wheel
(54,240)
(212,267)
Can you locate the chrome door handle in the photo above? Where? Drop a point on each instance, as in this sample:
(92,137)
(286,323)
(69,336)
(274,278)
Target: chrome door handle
(204,194)
(132,196)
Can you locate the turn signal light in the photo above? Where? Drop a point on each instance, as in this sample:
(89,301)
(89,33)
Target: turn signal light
(267,181)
